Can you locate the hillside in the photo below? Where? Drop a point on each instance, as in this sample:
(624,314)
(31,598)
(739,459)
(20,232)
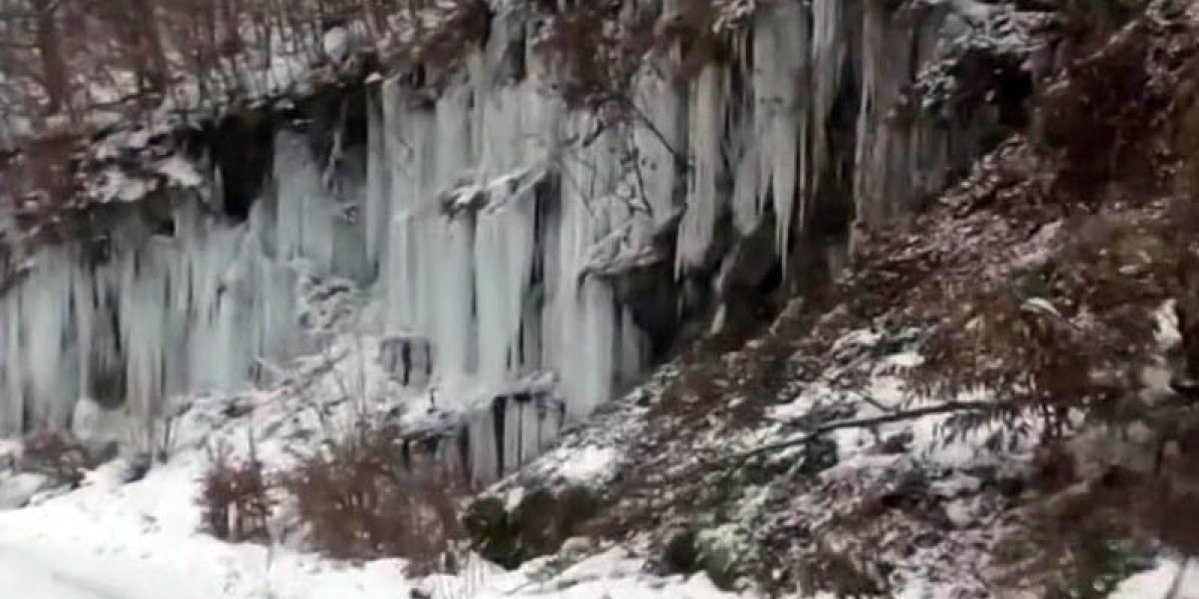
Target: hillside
(618,299)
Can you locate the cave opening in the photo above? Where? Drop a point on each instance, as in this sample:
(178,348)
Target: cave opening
(242,152)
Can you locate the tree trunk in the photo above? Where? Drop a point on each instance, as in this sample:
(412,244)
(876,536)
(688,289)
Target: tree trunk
(55,77)
(153,70)
(1186,308)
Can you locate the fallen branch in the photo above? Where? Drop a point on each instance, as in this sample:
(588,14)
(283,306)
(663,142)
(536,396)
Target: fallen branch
(906,415)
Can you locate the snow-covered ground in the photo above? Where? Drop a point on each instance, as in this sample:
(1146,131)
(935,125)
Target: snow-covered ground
(115,540)
(1160,582)
(110,540)
(141,540)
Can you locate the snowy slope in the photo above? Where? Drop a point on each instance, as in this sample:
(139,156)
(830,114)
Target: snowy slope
(139,541)
(1168,577)
(115,540)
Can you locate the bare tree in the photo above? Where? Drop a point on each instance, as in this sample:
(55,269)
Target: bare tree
(134,24)
(33,36)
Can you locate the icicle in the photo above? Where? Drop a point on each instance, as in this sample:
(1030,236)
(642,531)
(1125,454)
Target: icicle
(660,140)
(378,185)
(304,211)
(830,49)
(705,198)
(492,292)
(41,359)
(781,57)
(503,265)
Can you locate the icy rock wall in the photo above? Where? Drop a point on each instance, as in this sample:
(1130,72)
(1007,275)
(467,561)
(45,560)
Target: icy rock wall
(159,306)
(474,221)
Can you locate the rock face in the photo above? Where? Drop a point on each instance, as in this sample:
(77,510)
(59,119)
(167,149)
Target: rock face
(501,229)
(408,360)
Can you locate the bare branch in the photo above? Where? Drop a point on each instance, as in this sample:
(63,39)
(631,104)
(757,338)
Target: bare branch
(904,416)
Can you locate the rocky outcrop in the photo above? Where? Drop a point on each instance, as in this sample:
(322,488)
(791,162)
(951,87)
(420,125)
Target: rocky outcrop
(537,524)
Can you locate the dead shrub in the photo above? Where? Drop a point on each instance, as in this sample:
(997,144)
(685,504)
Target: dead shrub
(1083,539)
(436,54)
(1035,362)
(41,183)
(1085,535)
(55,454)
(600,45)
(369,496)
(1072,332)
(235,497)
(836,572)
(596,59)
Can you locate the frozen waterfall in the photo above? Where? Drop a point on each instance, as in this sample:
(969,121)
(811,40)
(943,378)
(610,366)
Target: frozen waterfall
(472,224)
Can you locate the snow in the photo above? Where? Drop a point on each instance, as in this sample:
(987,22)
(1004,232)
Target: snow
(1166,332)
(115,540)
(590,464)
(336,43)
(1160,581)
(138,541)
(180,172)
(18,489)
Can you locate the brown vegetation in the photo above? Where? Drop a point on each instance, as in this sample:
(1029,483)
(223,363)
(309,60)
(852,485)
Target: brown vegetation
(55,454)
(1037,279)
(1068,328)
(66,63)
(598,47)
(235,501)
(367,496)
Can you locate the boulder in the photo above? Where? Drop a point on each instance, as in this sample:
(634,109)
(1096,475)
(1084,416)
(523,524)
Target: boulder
(99,431)
(721,552)
(539,524)
(679,555)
